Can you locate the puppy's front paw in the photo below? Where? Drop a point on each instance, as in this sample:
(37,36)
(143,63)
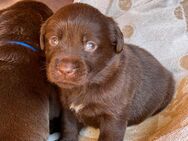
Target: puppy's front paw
(68,139)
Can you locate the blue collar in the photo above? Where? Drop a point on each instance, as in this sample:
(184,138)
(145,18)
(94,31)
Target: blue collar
(24,45)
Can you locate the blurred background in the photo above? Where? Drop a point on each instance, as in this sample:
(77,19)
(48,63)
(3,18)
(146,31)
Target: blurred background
(56,4)
(53,4)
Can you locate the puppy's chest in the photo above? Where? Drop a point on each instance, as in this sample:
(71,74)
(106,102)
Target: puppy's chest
(88,114)
(86,109)
(90,109)
(76,108)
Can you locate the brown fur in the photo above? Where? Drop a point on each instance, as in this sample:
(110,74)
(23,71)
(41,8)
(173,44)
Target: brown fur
(24,91)
(114,86)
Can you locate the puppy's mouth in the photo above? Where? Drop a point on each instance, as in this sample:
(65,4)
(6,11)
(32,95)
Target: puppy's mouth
(67,84)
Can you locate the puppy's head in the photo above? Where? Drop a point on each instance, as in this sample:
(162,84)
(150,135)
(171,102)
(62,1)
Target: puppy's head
(22,21)
(80,44)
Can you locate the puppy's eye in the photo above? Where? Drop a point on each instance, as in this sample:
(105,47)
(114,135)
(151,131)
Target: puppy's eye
(54,41)
(90,46)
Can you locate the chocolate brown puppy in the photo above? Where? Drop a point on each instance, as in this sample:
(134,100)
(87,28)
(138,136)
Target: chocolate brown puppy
(103,82)
(24,91)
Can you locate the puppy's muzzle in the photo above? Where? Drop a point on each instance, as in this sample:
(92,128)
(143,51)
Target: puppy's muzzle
(68,67)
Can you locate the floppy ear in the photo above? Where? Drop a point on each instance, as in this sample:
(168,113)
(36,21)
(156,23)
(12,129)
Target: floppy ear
(42,36)
(116,35)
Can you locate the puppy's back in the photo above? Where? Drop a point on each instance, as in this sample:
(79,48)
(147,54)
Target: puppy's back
(155,85)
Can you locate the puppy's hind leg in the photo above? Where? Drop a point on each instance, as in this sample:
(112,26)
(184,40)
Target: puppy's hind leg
(168,97)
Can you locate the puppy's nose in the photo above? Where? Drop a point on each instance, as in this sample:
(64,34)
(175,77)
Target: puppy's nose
(68,69)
